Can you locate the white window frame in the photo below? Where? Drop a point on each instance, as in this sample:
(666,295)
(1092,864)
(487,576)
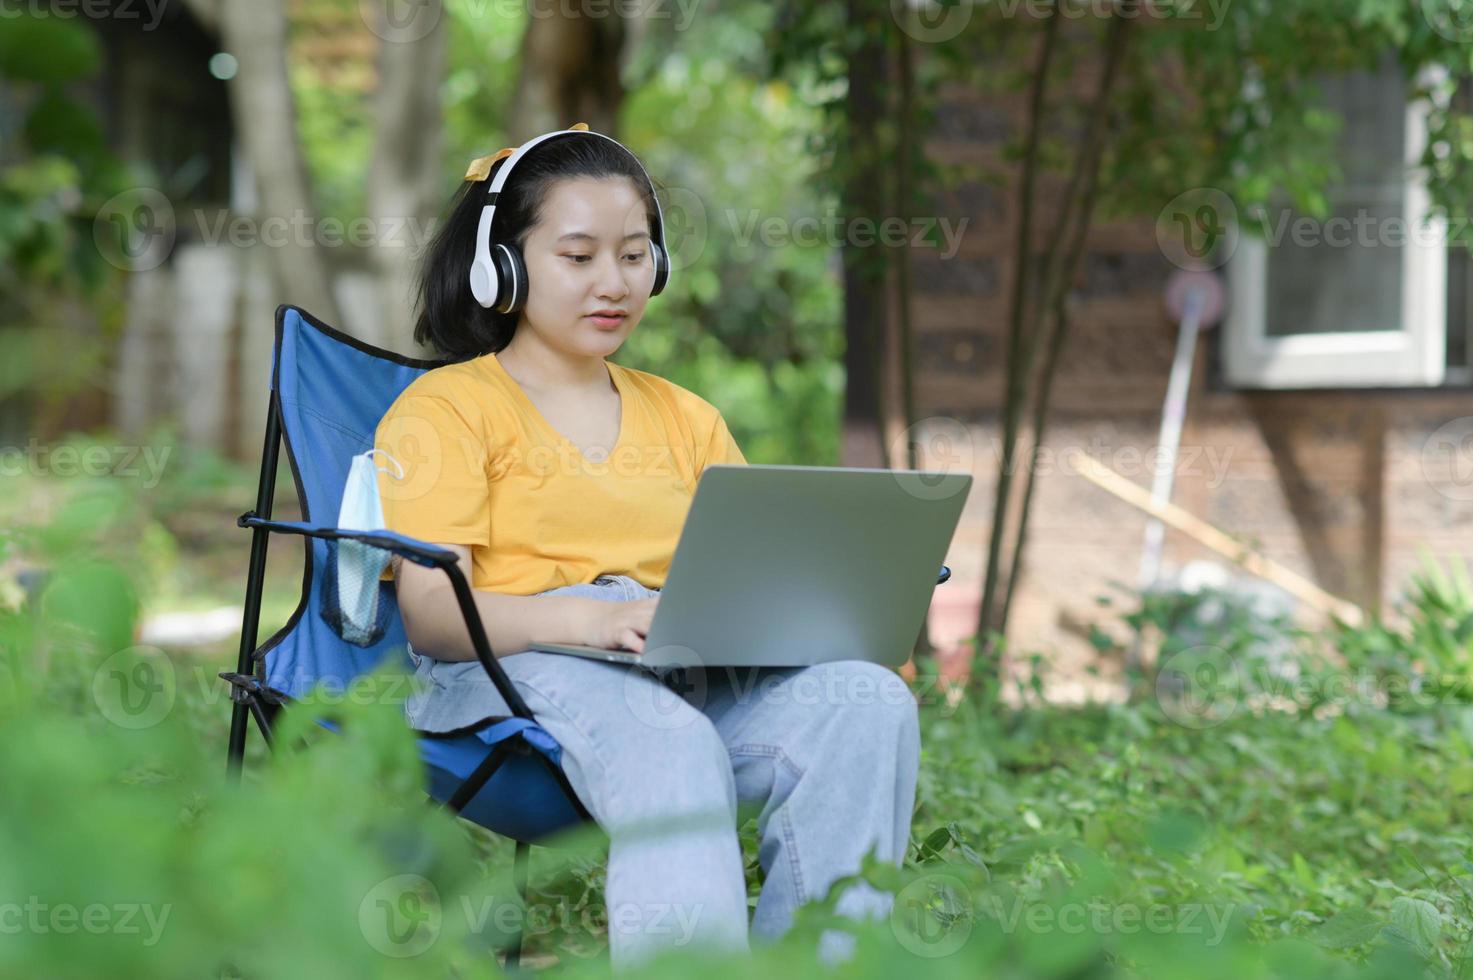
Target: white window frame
(1412,354)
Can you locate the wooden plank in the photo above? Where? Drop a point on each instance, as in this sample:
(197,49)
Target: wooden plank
(1221,542)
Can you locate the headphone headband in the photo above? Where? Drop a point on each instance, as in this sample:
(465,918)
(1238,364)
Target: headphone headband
(486,284)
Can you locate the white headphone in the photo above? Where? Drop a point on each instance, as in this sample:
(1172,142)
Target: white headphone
(498,275)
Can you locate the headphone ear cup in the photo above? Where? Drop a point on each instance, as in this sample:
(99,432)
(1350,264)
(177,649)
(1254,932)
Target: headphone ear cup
(483,283)
(662,268)
(511,271)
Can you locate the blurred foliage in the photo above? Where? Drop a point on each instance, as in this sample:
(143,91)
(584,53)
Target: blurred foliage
(56,172)
(754,327)
(1428,645)
(1112,840)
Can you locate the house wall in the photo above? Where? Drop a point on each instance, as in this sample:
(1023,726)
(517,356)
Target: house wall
(1343,487)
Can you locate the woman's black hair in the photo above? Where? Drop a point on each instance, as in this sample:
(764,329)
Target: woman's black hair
(450,320)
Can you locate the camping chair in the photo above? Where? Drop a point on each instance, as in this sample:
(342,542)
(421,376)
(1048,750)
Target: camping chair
(328,393)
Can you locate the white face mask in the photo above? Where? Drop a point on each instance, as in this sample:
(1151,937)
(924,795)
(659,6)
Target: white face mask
(359,565)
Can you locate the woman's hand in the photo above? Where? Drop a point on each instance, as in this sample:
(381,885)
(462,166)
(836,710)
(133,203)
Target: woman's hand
(621,625)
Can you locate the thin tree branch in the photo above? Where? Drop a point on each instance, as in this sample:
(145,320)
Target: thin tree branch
(1056,293)
(1016,374)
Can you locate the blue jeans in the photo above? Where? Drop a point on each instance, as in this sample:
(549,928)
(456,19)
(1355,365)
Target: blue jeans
(827,755)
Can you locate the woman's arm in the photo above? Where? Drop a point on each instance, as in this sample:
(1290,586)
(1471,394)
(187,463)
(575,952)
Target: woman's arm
(435,627)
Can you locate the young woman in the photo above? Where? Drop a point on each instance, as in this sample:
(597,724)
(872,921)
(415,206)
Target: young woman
(562,480)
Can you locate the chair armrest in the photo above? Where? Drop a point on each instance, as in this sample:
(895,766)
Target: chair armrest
(419,552)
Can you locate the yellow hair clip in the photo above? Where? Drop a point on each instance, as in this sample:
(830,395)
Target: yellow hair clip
(480,167)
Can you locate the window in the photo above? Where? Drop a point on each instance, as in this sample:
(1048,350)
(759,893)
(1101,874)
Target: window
(1363,297)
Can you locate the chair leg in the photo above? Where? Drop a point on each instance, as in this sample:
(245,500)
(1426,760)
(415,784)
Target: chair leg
(519,876)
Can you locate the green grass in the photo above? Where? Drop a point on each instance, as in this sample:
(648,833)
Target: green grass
(1241,815)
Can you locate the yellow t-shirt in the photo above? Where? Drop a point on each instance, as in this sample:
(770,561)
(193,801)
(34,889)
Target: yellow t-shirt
(483,468)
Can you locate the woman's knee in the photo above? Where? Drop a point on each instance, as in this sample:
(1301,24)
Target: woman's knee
(675,770)
(862,685)
(869,701)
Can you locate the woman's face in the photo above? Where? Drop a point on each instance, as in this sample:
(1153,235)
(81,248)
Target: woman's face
(589,251)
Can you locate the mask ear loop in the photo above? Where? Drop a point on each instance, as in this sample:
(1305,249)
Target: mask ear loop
(400,466)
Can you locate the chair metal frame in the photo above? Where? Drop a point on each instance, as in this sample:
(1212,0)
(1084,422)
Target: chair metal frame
(251,697)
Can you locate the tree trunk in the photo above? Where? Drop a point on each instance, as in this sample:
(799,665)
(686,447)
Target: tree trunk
(266,126)
(904,205)
(864,269)
(1065,253)
(405,187)
(1064,263)
(569,73)
(1019,343)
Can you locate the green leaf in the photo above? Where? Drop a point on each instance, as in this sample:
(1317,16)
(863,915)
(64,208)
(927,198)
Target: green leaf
(1352,927)
(1303,873)
(1417,920)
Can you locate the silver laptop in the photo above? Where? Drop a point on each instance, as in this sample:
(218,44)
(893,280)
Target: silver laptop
(794,565)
